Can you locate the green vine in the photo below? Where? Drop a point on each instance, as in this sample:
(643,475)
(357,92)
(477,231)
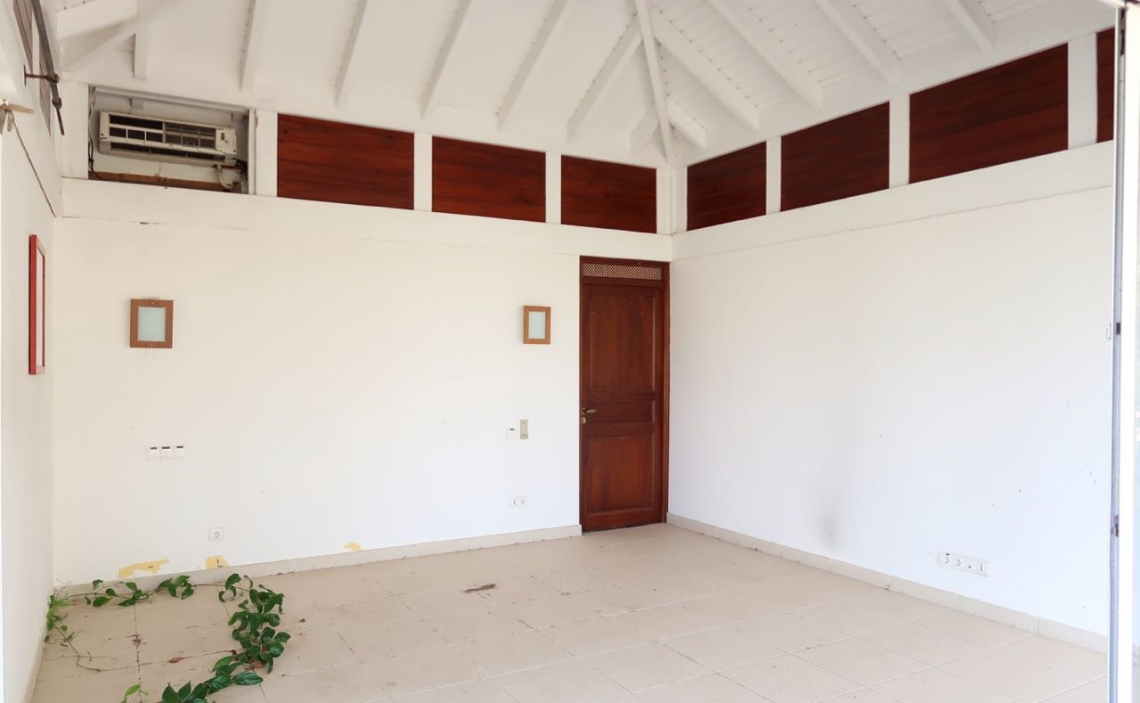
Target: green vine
(255,628)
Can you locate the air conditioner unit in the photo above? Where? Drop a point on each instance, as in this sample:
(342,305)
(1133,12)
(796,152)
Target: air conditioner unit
(166,140)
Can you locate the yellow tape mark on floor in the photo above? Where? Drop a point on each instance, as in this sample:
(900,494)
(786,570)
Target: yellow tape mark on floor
(152,566)
(353,546)
(216,562)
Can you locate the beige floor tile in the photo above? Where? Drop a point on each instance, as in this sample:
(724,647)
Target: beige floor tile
(101,686)
(372,613)
(922,644)
(187,642)
(516,652)
(706,689)
(553,611)
(646,666)
(862,662)
(422,671)
(865,696)
(1096,692)
(723,648)
(163,612)
(851,617)
(973,629)
(108,622)
(518,590)
(898,605)
(481,622)
(105,655)
(394,638)
(308,652)
(788,679)
(1067,659)
(350,683)
(937,686)
(156,677)
(627,597)
(1012,676)
(669,621)
(478,692)
(790,633)
(592,636)
(568,682)
(425,603)
(577,579)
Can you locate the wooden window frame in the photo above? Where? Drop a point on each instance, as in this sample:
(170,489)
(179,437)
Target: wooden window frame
(168,305)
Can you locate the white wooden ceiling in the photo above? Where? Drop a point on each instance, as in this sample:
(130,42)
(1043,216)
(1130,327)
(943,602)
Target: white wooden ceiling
(561,75)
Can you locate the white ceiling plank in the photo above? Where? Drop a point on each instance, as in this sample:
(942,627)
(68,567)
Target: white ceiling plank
(114,37)
(254,40)
(975,20)
(367,15)
(656,80)
(706,73)
(550,26)
(444,57)
(622,52)
(771,50)
(686,125)
(141,55)
(91,16)
(646,128)
(851,22)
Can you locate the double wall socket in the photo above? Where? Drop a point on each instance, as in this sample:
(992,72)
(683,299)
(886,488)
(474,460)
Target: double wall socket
(970,565)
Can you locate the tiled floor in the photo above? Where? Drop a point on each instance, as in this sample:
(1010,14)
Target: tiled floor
(654,614)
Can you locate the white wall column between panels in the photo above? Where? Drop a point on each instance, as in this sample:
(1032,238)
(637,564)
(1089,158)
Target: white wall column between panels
(1127,229)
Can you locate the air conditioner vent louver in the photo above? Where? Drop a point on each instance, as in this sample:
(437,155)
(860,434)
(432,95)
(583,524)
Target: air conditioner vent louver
(166,140)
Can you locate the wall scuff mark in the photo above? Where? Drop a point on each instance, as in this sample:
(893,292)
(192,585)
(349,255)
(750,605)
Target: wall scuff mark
(152,566)
(353,546)
(216,562)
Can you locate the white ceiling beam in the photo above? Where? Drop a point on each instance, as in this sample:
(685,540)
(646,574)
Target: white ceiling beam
(771,50)
(444,58)
(622,52)
(975,20)
(686,125)
(851,22)
(92,16)
(656,79)
(141,55)
(646,128)
(550,26)
(704,71)
(254,40)
(107,40)
(367,15)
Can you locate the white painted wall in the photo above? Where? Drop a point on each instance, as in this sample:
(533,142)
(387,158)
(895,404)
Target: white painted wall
(25,425)
(924,369)
(339,374)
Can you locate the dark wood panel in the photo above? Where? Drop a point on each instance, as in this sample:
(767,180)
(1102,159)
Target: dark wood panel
(613,196)
(845,157)
(1014,111)
(1105,84)
(728,188)
(343,163)
(469,178)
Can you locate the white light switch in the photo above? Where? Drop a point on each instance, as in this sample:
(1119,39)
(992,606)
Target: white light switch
(180,451)
(524,429)
(152,453)
(167,452)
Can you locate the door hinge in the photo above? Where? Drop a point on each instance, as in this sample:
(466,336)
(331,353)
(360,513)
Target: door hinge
(1115,525)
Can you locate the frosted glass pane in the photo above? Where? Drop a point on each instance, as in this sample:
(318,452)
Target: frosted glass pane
(537,324)
(152,324)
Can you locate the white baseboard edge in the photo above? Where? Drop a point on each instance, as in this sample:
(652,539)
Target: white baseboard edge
(948,599)
(366,556)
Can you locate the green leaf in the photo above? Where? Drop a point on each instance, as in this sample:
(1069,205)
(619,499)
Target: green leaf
(247,678)
(132,585)
(111,592)
(184,692)
(169,695)
(233,580)
(100,601)
(96,584)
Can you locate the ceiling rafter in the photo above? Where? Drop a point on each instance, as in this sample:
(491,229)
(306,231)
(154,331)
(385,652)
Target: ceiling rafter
(645,129)
(367,14)
(92,16)
(254,40)
(438,71)
(656,79)
(619,57)
(85,50)
(706,73)
(550,26)
(685,124)
(749,26)
(140,57)
(975,20)
(851,22)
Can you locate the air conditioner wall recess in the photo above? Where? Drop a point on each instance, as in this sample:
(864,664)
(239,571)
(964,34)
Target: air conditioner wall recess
(156,139)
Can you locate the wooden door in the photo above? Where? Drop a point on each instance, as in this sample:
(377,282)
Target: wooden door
(624,394)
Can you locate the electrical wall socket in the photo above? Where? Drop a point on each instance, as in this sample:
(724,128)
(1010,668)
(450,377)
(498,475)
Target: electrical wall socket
(970,565)
(217,534)
(519,502)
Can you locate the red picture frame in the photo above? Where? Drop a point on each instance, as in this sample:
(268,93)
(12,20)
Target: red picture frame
(37,306)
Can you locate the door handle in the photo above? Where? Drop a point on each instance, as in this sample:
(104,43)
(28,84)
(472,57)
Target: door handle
(587,411)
